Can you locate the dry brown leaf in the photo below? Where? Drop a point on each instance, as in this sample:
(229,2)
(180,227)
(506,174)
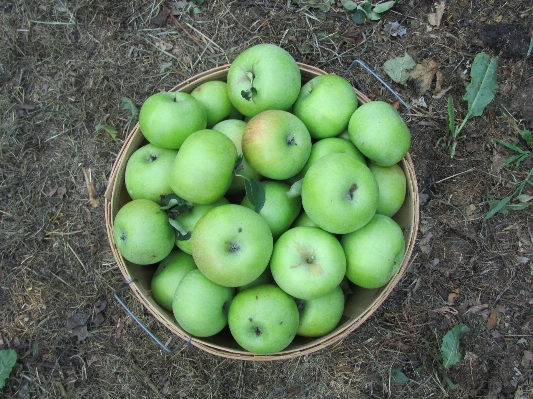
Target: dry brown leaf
(477,308)
(81,333)
(98,319)
(454,295)
(435,18)
(95,202)
(423,75)
(293,391)
(438,82)
(493,318)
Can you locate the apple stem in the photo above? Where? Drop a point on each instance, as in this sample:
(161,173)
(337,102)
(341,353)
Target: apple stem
(351,191)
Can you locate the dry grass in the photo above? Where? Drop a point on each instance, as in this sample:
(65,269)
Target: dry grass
(64,67)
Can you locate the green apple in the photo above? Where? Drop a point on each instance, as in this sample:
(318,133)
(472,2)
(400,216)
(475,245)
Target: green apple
(320,316)
(374,252)
(303,220)
(307,262)
(332,145)
(213,95)
(201,306)
(142,232)
(392,188)
(380,133)
(167,119)
(234,129)
(263,319)
(325,104)
(147,171)
(231,245)
(168,275)
(203,169)
(263,77)
(189,220)
(276,144)
(264,278)
(279,209)
(339,193)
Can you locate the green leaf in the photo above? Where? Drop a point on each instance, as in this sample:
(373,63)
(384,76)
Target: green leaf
(382,7)
(524,198)
(398,377)
(371,15)
(359,17)
(8,358)
(511,159)
(530,45)
(526,135)
(497,207)
(450,345)
(109,129)
(182,234)
(238,165)
(480,91)
(255,193)
(171,200)
(349,5)
(398,68)
(451,116)
(510,146)
(130,108)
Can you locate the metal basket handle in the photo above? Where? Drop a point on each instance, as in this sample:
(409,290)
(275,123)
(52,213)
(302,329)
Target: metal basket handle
(146,330)
(370,71)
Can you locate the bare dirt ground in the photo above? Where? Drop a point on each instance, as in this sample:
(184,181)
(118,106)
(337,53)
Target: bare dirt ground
(64,67)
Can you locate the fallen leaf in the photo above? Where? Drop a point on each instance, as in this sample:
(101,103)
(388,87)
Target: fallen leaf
(81,333)
(61,191)
(425,245)
(95,202)
(395,29)
(75,320)
(422,74)
(162,17)
(454,295)
(435,18)
(477,308)
(94,359)
(100,306)
(527,359)
(438,82)
(165,46)
(397,68)
(94,249)
(97,320)
(51,192)
(493,318)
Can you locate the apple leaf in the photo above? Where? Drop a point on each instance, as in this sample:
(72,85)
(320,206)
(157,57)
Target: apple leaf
(450,345)
(109,129)
(480,91)
(238,165)
(382,7)
(255,193)
(249,94)
(181,233)
(8,358)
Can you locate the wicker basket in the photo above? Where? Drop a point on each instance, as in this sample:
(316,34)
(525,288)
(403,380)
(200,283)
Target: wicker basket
(359,305)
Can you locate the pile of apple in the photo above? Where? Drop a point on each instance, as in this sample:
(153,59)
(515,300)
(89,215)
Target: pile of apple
(262,198)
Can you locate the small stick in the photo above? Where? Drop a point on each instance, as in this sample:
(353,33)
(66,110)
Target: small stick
(95,202)
(77,257)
